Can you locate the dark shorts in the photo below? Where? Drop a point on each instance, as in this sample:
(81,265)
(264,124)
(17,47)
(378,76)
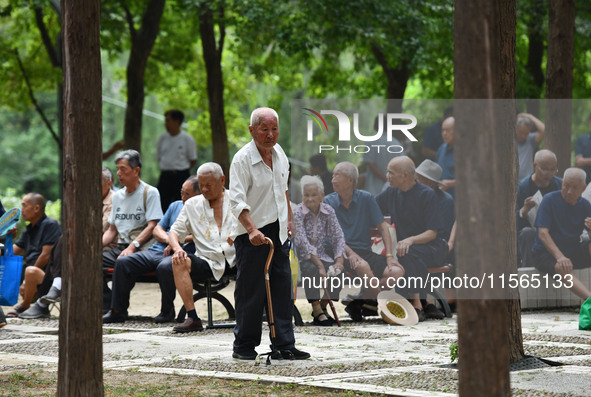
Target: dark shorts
(200,270)
(377,263)
(544,261)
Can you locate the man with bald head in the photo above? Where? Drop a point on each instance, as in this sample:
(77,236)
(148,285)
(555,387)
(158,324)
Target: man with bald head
(35,244)
(561,218)
(414,210)
(445,156)
(357,212)
(544,180)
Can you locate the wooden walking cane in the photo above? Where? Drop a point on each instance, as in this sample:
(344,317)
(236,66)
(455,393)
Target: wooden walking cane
(269,306)
(334,311)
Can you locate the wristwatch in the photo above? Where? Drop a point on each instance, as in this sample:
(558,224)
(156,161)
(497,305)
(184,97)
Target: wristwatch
(136,244)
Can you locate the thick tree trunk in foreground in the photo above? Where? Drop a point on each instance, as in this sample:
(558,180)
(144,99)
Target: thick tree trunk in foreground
(559,80)
(80,367)
(212,56)
(484,68)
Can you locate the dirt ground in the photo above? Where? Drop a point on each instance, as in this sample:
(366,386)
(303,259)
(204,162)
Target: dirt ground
(118,383)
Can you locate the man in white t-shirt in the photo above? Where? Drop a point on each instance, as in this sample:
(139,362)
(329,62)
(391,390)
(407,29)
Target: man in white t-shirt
(176,154)
(136,211)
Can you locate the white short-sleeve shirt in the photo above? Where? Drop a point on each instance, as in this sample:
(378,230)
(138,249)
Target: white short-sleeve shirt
(175,153)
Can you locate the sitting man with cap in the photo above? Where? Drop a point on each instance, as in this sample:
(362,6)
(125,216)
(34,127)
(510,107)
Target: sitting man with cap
(543,180)
(429,173)
(561,218)
(414,211)
(357,212)
(210,220)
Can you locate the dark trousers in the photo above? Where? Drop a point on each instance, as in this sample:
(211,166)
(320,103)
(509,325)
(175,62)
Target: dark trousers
(312,282)
(419,258)
(127,270)
(109,260)
(250,292)
(525,242)
(169,186)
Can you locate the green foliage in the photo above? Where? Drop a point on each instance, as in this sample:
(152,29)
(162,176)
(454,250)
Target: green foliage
(453,352)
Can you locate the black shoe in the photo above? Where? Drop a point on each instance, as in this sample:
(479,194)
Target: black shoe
(164,317)
(354,311)
(431,311)
(53,296)
(114,317)
(251,355)
(421,315)
(294,354)
(369,308)
(189,325)
(323,323)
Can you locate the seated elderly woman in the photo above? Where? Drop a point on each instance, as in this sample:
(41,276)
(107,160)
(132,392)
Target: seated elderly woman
(320,246)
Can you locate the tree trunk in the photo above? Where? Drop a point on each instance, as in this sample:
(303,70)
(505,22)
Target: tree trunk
(484,68)
(212,56)
(396,77)
(535,54)
(142,42)
(559,80)
(80,369)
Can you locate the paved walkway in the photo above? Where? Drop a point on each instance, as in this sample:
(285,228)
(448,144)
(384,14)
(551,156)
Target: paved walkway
(369,356)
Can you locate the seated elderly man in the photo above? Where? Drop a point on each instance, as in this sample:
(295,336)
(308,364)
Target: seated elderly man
(209,219)
(128,268)
(544,180)
(357,212)
(317,225)
(561,218)
(35,243)
(136,211)
(414,210)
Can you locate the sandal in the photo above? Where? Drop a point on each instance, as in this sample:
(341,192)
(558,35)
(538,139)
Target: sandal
(328,316)
(18,309)
(322,323)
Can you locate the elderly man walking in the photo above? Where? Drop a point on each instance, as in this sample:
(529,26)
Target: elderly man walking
(260,202)
(560,221)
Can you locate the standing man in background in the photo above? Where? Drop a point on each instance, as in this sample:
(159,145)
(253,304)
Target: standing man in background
(176,153)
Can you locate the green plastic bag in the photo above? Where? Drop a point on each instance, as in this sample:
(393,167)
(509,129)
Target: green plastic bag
(585,315)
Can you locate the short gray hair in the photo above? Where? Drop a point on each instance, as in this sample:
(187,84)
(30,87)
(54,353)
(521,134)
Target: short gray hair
(132,156)
(312,180)
(211,168)
(576,173)
(107,174)
(349,169)
(544,154)
(255,116)
(525,121)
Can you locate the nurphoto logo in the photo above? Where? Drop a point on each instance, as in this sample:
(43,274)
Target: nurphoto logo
(387,124)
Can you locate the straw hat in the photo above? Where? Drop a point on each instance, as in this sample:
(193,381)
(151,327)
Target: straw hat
(395,309)
(430,170)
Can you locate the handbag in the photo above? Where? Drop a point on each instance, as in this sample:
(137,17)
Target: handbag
(11,269)
(585,315)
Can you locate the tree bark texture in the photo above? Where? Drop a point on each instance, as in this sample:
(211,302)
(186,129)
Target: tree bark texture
(212,56)
(142,43)
(80,366)
(535,54)
(485,161)
(396,77)
(559,80)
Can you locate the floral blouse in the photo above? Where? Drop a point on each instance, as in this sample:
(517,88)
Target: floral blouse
(316,231)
